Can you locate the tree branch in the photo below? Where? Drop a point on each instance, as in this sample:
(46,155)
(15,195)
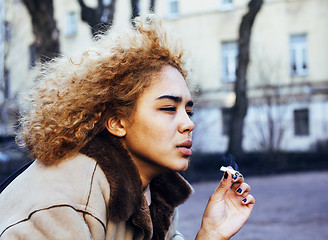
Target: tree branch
(100,19)
(44,28)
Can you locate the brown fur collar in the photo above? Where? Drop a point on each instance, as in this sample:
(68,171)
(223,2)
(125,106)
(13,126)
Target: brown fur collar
(126,196)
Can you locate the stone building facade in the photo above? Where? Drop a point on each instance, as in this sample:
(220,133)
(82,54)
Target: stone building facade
(287,74)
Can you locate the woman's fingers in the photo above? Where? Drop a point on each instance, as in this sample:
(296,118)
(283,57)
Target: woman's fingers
(228,181)
(229,206)
(249,201)
(224,186)
(243,190)
(235,184)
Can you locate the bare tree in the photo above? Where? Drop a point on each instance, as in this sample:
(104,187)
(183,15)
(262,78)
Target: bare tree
(101,18)
(269,126)
(46,44)
(239,110)
(135,4)
(135,9)
(152,6)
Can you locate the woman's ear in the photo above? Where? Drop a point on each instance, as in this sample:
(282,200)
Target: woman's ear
(114,126)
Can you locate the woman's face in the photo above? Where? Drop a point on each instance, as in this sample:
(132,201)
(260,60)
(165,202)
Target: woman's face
(158,137)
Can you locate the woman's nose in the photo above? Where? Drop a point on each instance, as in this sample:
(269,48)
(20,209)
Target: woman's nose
(186,124)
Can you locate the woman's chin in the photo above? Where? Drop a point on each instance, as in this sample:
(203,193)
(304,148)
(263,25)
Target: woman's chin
(183,166)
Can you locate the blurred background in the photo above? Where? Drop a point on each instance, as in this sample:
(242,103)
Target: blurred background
(259,80)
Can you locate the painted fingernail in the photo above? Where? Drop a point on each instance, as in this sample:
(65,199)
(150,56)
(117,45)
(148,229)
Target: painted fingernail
(234,177)
(225,175)
(239,190)
(245,200)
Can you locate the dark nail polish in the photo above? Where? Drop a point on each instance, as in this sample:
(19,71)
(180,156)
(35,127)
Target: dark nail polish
(234,177)
(239,190)
(225,175)
(245,200)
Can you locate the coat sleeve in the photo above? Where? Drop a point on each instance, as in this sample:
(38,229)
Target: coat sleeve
(173,233)
(54,223)
(177,236)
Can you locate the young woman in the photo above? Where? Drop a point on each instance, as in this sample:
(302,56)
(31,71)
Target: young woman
(109,132)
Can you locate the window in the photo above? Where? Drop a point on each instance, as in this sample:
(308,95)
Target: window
(33,55)
(229,61)
(298,55)
(8,31)
(106,2)
(71,24)
(301,122)
(226,5)
(226,121)
(6,84)
(173,8)
(104,19)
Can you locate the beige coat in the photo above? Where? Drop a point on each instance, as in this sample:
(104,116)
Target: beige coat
(77,199)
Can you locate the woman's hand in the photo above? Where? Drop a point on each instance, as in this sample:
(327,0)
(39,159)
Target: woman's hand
(227,210)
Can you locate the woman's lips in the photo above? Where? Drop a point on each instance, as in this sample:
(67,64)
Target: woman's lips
(185,148)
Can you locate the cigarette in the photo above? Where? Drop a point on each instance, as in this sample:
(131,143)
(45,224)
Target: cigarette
(233,172)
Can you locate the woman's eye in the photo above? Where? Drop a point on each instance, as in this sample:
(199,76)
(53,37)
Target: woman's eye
(174,109)
(190,113)
(168,109)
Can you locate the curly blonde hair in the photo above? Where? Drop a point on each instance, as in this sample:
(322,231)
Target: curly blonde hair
(72,101)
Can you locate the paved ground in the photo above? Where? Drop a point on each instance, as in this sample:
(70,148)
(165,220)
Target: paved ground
(288,207)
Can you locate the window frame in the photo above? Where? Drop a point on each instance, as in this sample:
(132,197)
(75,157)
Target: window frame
(301,118)
(170,13)
(299,65)
(226,5)
(8,31)
(71,24)
(6,84)
(226,121)
(33,55)
(229,61)
(106,2)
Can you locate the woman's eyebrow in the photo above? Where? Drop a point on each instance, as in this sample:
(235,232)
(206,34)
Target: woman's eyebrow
(171,97)
(176,99)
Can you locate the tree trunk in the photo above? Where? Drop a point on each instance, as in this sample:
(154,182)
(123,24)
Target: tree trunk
(135,8)
(152,6)
(100,19)
(46,44)
(239,110)
(135,4)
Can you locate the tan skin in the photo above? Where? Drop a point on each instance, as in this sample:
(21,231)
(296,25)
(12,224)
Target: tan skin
(158,138)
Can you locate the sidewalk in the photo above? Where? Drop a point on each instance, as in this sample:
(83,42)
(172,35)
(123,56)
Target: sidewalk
(288,207)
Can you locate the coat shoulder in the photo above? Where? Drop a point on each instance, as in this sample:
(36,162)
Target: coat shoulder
(76,182)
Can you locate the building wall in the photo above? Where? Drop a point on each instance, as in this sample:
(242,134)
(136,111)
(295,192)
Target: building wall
(17,48)
(203,26)
(69,42)
(16,62)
